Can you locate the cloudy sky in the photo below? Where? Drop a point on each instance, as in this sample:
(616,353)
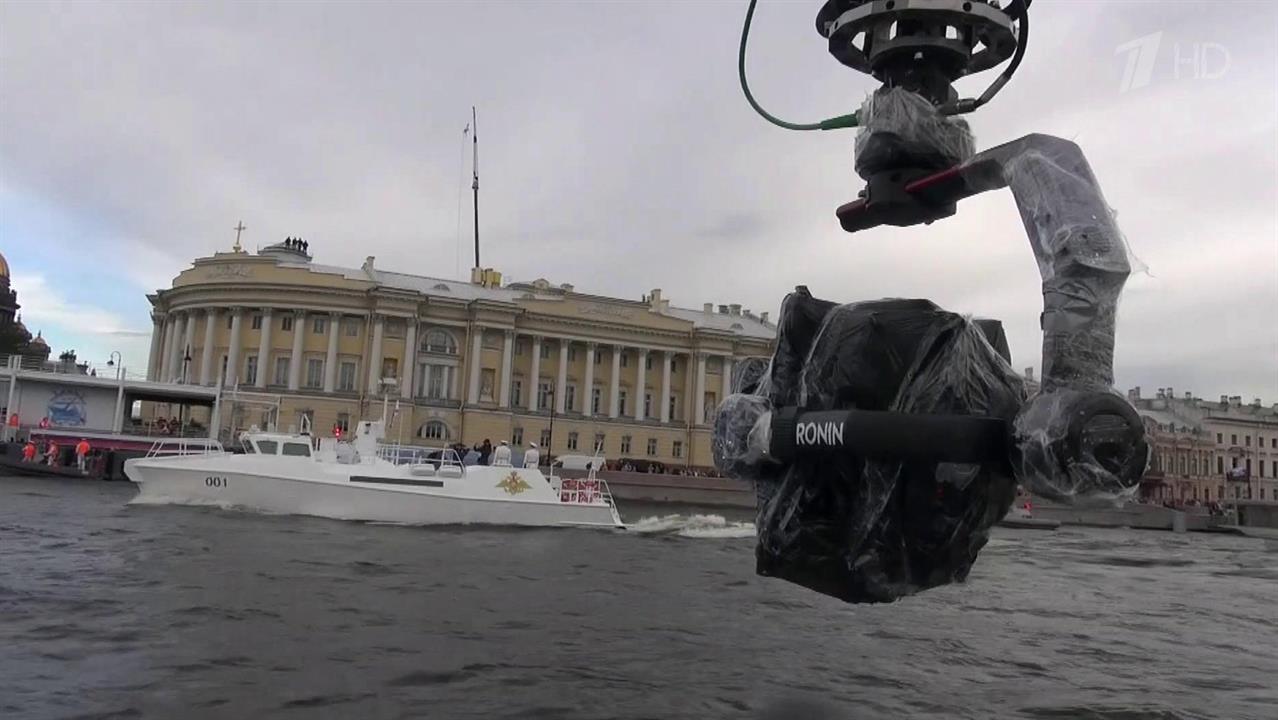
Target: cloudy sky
(618,154)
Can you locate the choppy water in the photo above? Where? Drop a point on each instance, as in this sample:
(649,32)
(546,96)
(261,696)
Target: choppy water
(165,612)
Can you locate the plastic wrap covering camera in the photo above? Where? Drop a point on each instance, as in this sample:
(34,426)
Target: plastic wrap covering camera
(845,521)
(903,129)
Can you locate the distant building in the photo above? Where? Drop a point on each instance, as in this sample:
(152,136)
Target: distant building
(1204,450)
(8,296)
(465,361)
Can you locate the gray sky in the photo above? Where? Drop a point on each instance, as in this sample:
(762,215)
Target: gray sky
(618,154)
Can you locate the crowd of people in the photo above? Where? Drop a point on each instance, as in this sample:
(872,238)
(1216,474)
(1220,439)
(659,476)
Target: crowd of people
(52,455)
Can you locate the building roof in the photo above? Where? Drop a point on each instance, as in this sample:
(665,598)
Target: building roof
(740,324)
(4,266)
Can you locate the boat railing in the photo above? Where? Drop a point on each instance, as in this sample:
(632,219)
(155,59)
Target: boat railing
(418,456)
(181,446)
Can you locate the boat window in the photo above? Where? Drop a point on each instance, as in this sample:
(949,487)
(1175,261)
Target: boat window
(267,447)
(297,449)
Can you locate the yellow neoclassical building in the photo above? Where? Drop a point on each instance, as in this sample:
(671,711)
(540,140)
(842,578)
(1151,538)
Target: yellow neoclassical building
(466,361)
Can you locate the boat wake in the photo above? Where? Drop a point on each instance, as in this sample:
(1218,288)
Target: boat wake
(714,527)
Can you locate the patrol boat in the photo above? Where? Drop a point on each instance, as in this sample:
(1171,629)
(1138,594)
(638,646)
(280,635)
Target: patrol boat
(364,479)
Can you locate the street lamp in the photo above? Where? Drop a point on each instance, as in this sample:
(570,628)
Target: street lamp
(550,396)
(116,360)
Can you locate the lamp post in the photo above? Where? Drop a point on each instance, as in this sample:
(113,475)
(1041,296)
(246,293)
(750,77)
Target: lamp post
(116,360)
(550,396)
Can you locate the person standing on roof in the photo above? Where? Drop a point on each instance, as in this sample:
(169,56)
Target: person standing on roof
(532,457)
(501,455)
(82,454)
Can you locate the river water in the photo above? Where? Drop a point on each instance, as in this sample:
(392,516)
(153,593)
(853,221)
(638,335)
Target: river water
(108,610)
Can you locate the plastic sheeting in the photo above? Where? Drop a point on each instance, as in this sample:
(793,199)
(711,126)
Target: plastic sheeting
(901,129)
(869,530)
(1078,440)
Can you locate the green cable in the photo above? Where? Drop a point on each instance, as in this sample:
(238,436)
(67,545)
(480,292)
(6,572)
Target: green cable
(842,121)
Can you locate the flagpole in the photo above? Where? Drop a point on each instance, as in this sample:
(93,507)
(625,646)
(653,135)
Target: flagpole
(474,135)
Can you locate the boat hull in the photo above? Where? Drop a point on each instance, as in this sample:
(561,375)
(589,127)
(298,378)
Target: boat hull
(354,493)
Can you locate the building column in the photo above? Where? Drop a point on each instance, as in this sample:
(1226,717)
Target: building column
(375,356)
(166,345)
(295,362)
(476,364)
(699,396)
(507,367)
(330,360)
(535,382)
(233,348)
(614,384)
(666,358)
(727,379)
(157,344)
(407,373)
(188,344)
(561,384)
(588,396)
(206,353)
(641,377)
(264,349)
(176,330)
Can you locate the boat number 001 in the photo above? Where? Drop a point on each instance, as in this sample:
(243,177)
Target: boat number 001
(215,481)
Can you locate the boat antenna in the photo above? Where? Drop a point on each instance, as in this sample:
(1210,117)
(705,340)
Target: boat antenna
(474,136)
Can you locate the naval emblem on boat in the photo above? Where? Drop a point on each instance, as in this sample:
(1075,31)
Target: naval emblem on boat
(513,484)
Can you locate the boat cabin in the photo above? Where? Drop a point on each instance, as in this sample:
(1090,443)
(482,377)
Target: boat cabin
(261,443)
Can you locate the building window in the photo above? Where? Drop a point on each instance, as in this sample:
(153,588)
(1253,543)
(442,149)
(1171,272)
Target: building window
(572,441)
(647,361)
(230,320)
(625,444)
(598,358)
(250,369)
(1248,467)
(1219,439)
(433,430)
(1220,464)
(436,381)
(710,406)
(390,368)
(346,376)
(319,325)
(487,384)
(677,449)
(257,322)
(440,342)
(545,440)
(599,443)
(596,399)
(1233,462)
(351,326)
(1262,492)
(286,323)
(1262,470)
(1273,443)
(343,422)
(572,353)
(281,370)
(674,407)
(674,364)
(625,360)
(545,351)
(652,447)
(519,347)
(543,396)
(570,398)
(516,392)
(1247,441)
(647,405)
(1233,439)
(621,402)
(517,436)
(314,372)
(305,420)
(1220,492)
(395,327)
